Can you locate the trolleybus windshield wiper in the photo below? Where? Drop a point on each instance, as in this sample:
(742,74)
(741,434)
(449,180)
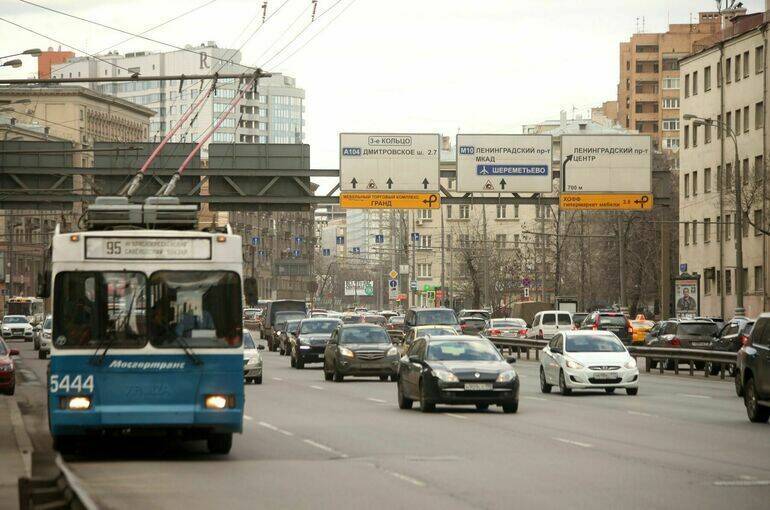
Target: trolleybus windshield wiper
(188,350)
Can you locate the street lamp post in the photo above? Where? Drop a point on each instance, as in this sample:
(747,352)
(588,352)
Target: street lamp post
(699,121)
(34,52)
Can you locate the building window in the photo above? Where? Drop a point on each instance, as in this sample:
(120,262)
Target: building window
(708,280)
(670,124)
(694,231)
(694,135)
(737,128)
(686,85)
(759,168)
(707,180)
(728,227)
(759,59)
(745,119)
(500,241)
(759,115)
(694,183)
(745,64)
(707,230)
(647,48)
(686,185)
(694,84)
(707,133)
(759,279)
(686,137)
(671,143)
(707,79)
(737,68)
(728,281)
(729,119)
(516,207)
(501,212)
(670,83)
(719,127)
(424,270)
(746,172)
(465,241)
(425,214)
(224,137)
(728,70)
(728,176)
(465,212)
(757,222)
(426,241)
(449,212)
(686,234)
(719,74)
(671,103)
(719,228)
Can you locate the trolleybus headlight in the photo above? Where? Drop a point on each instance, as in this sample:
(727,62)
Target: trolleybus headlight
(219,401)
(79,403)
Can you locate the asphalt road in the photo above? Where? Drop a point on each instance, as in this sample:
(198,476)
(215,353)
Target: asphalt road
(681,443)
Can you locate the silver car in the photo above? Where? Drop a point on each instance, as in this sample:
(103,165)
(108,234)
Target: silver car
(44,338)
(252,359)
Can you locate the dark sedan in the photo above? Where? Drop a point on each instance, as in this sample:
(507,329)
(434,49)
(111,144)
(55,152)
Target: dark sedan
(456,370)
(7,369)
(309,342)
(360,350)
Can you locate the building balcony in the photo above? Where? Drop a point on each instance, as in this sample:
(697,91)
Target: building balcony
(646,117)
(643,97)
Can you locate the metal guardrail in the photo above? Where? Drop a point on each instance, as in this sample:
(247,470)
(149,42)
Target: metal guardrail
(658,355)
(64,491)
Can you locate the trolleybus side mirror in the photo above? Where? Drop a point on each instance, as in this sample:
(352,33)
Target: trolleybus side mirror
(44,284)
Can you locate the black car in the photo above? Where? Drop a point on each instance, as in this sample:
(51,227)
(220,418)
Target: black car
(754,371)
(360,350)
(456,370)
(615,322)
(734,335)
(309,341)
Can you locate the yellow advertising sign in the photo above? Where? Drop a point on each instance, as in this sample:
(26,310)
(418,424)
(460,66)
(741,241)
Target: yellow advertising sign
(390,200)
(606,202)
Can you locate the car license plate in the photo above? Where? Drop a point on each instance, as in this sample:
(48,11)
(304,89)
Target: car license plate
(700,344)
(604,375)
(478,386)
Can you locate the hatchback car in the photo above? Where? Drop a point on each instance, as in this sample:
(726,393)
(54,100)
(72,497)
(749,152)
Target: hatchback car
(7,369)
(360,350)
(682,334)
(309,342)
(252,359)
(456,370)
(16,326)
(614,322)
(587,360)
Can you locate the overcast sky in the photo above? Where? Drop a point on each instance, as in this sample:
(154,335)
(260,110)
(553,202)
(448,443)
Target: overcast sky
(391,65)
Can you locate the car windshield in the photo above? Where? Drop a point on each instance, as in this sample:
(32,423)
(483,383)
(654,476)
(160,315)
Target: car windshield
(289,316)
(292,325)
(437,331)
(612,320)
(504,323)
(428,317)
(396,320)
(462,350)
(584,343)
(697,328)
(47,324)
(318,327)
(248,341)
(364,335)
(15,320)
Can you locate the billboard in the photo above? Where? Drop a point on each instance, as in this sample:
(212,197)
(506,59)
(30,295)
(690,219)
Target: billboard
(372,162)
(359,288)
(504,163)
(686,297)
(606,164)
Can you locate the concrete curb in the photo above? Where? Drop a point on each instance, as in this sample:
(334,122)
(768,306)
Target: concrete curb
(22,437)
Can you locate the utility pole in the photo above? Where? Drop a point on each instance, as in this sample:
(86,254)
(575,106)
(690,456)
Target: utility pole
(443,288)
(582,291)
(621,262)
(413,271)
(451,275)
(486,256)
(543,249)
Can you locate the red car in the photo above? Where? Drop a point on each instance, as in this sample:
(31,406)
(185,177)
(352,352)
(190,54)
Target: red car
(7,369)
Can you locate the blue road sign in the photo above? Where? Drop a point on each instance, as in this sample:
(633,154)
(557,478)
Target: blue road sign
(392,283)
(511,170)
(415,236)
(340,239)
(255,240)
(682,268)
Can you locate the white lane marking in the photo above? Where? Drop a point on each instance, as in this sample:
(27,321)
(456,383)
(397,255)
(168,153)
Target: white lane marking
(458,416)
(247,418)
(316,387)
(536,398)
(575,443)
(277,379)
(377,400)
(741,483)
(637,413)
(408,479)
(690,395)
(276,429)
(325,448)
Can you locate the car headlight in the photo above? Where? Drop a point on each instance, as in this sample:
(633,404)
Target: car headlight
(347,352)
(631,363)
(47,336)
(392,351)
(574,364)
(252,361)
(506,376)
(445,375)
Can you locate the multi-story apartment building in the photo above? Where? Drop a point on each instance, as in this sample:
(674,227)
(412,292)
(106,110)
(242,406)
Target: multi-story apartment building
(75,114)
(649,87)
(727,84)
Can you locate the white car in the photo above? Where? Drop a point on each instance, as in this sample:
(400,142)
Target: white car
(16,326)
(549,322)
(584,360)
(44,348)
(252,359)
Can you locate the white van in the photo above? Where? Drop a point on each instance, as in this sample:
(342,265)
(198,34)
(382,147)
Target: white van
(549,322)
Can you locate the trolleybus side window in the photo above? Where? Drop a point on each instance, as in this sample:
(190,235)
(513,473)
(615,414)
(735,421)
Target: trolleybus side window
(93,308)
(203,308)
